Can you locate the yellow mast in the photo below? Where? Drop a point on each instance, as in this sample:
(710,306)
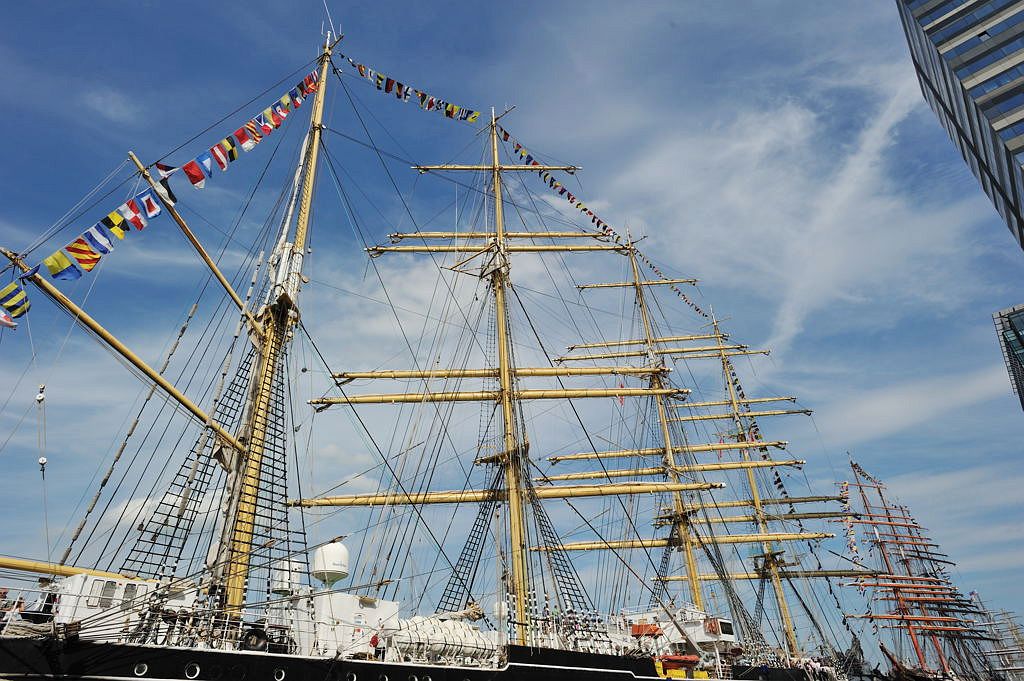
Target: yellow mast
(771,562)
(680,520)
(275,320)
(513,474)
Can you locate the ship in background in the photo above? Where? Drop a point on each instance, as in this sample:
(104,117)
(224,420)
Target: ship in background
(610,511)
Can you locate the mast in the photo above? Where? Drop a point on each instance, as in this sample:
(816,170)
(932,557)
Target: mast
(680,519)
(512,456)
(771,557)
(276,319)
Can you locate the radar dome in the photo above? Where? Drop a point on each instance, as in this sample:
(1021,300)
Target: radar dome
(330,563)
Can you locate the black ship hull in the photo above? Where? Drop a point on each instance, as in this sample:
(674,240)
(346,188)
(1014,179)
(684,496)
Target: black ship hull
(26,659)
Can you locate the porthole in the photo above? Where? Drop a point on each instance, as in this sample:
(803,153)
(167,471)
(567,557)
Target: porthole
(278,674)
(413,677)
(351,676)
(382,677)
(140,669)
(191,670)
(427,678)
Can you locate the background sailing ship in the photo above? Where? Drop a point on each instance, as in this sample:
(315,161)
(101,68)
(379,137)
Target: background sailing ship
(425,431)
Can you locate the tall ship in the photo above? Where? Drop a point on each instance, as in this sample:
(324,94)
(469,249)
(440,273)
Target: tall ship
(926,627)
(548,465)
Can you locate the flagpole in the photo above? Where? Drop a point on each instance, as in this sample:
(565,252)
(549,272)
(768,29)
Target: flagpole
(190,235)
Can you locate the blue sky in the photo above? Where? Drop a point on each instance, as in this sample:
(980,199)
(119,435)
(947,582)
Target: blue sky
(780,152)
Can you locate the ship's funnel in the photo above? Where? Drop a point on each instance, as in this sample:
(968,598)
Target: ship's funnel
(330,563)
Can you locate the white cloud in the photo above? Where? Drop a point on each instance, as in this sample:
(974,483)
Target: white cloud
(875,414)
(112,105)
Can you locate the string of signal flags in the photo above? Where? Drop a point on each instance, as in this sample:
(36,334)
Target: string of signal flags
(581,206)
(88,248)
(85,251)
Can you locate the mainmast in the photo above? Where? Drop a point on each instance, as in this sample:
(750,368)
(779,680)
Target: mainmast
(680,514)
(276,320)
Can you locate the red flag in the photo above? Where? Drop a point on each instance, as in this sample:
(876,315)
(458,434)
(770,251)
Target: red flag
(195,174)
(132,212)
(242,135)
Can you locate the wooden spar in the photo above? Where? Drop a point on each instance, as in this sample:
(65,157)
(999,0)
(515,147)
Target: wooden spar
(623,284)
(40,567)
(744,414)
(479,248)
(490,235)
(277,320)
(490,168)
(645,352)
(726,403)
(476,496)
(664,470)
(640,341)
(496,395)
(681,532)
(782,517)
(661,543)
(903,586)
(771,557)
(887,523)
(791,574)
(192,239)
(782,501)
(493,373)
(712,447)
(80,316)
(728,353)
(907,618)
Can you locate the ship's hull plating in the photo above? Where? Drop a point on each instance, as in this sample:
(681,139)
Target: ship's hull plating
(24,659)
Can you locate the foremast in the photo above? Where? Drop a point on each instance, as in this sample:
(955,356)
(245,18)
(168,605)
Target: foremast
(512,455)
(278,316)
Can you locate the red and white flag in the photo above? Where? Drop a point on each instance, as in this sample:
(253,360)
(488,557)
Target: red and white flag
(219,155)
(194,173)
(242,135)
(132,212)
(7,322)
(150,206)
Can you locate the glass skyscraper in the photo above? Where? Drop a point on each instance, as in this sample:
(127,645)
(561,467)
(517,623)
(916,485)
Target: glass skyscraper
(969,58)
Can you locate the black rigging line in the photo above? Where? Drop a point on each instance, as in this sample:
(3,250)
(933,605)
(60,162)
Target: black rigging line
(384,458)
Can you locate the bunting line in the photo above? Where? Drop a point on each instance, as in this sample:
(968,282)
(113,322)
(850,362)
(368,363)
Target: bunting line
(428,102)
(246,137)
(89,247)
(579,204)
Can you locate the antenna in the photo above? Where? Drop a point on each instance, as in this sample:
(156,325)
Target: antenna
(329,19)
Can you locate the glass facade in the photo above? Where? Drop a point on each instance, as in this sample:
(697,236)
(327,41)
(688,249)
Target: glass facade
(1010,329)
(969,59)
